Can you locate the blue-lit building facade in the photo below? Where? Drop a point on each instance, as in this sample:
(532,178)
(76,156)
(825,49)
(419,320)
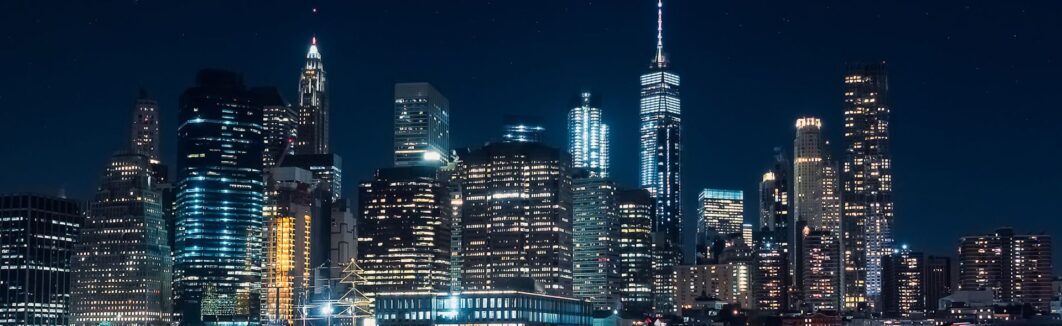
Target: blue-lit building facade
(218,254)
(588,135)
(484,308)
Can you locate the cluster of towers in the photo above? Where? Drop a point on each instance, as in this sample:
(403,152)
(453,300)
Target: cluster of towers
(253,228)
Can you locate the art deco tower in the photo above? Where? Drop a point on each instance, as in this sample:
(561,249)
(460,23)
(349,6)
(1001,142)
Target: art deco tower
(867,175)
(313,106)
(661,132)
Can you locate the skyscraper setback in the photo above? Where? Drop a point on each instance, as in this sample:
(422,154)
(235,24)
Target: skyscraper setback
(313,129)
(108,268)
(588,135)
(867,174)
(218,254)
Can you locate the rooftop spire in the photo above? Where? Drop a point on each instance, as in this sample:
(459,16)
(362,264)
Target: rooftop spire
(659,60)
(313,54)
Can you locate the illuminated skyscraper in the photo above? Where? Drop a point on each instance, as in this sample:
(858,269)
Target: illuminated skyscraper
(39,233)
(289,213)
(404,231)
(661,135)
(516,217)
(313,124)
(635,211)
(721,213)
(280,121)
(810,183)
(219,256)
(109,268)
(588,135)
(422,125)
(596,230)
(867,174)
(1016,268)
(903,293)
(770,276)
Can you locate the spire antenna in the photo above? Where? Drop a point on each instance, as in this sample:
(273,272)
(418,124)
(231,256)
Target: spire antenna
(660,33)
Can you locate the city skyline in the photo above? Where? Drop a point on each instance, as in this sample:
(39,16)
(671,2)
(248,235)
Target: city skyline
(742,172)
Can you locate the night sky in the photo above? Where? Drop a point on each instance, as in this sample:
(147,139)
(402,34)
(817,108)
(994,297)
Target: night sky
(973,85)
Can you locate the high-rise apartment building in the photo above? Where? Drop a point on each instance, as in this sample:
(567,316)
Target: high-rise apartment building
(903,292)
(596,228)
(770,277)
(867,177)
(635,210)
(516,217)
(661,140)
(1016,268)
(588,135)
(404,231)
(108,268)
(313,121)
(218,255)
(289,212)
(37,236)
(422,125)
(822,272)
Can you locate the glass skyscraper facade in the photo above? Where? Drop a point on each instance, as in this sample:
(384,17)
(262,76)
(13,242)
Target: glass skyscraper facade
(867,177)
(314,120)
(37,237)
(596,230)
(588,135)
(422,125)
(218,256)
(721,213)
(122,265)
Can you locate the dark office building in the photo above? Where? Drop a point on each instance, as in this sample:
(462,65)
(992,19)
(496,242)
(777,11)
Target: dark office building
(516,217)
(938,280)
(37,236)
(108,268)
(404,231)
(219,258)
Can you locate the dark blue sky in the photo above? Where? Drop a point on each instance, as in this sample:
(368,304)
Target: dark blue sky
(973,85)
